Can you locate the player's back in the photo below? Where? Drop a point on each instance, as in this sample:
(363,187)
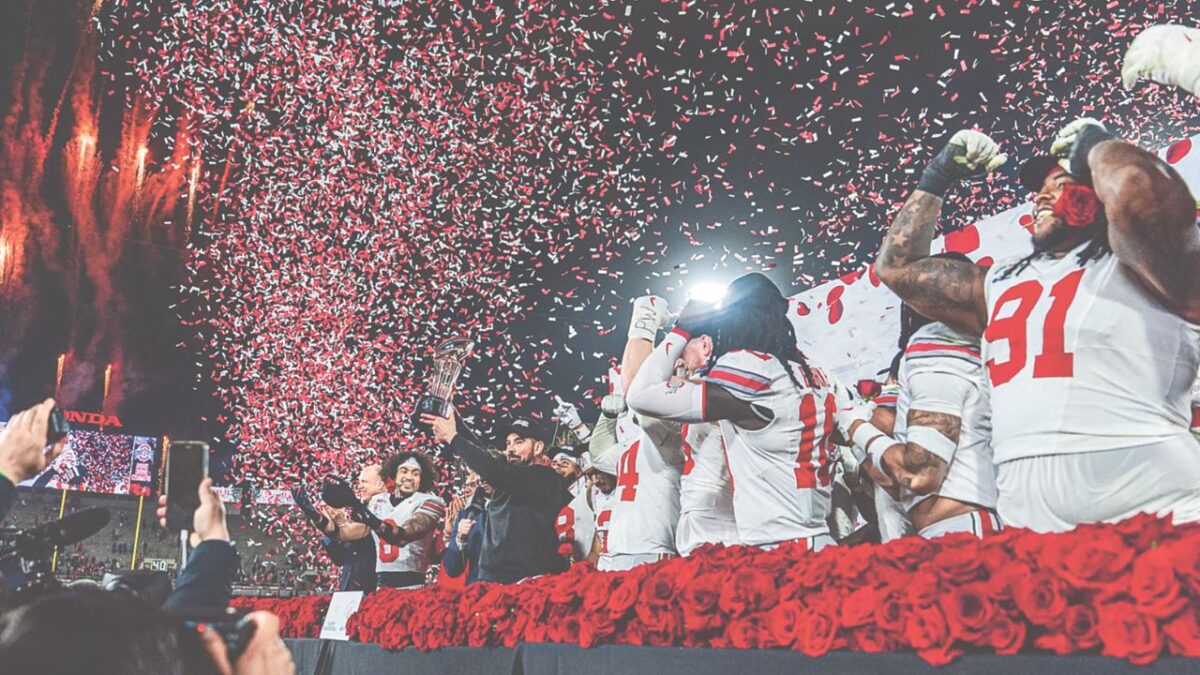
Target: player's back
(781,473)
(937,349)
(704,479)
(1084,359)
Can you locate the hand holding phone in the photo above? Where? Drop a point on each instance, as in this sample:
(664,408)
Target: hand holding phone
(187,467)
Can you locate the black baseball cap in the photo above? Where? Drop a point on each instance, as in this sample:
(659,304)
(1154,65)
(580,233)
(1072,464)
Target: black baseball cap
(525,427)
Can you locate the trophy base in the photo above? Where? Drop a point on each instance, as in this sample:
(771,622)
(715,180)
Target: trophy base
(431,405)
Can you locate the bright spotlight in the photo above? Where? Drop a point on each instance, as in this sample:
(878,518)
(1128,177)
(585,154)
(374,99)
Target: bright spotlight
(706,291)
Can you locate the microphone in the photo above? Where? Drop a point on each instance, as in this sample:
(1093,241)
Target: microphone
(38,541)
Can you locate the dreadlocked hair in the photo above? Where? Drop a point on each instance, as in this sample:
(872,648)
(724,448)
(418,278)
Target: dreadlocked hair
(760,327)
(1097,247)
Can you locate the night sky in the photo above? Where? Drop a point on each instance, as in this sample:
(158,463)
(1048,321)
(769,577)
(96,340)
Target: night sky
(374,178)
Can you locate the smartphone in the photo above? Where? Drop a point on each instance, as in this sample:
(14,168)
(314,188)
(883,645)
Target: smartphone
(57,427)
(187,465)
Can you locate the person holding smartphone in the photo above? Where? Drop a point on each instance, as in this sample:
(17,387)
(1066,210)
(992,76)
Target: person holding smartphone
(26,449)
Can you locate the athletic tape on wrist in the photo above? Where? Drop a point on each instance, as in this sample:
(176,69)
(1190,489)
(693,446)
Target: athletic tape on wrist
(864,433)
(932,440)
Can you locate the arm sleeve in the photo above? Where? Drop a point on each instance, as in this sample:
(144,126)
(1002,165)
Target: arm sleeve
(938,392)
(207,580)
(653,394)
(529,483)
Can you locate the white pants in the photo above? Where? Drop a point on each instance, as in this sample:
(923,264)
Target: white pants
(619,562)
(979,522)
(697,528)
(1055,493)
(815,543)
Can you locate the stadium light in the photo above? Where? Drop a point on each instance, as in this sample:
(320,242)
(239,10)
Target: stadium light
(706,291)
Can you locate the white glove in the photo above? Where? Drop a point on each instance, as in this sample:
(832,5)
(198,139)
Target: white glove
(650,314)
(861,412)
(1066,137)
(981,152)
(1164,54)
(568,414)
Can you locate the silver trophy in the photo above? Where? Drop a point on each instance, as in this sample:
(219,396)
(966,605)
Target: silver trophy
(448,361)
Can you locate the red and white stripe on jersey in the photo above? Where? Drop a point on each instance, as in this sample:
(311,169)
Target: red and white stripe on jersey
(433,506)
(738,380)
(979,522)
(887,398)
(938,347)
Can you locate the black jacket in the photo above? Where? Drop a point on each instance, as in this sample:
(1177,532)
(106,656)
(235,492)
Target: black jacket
(207,579)
(357,560)
(519,540)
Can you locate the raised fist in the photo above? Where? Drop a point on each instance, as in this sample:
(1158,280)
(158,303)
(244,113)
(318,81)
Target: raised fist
(969,153)
(1073,143)
(613,405)
(1164,54)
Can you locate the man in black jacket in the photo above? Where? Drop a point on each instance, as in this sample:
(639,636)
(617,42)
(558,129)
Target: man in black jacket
(519,540)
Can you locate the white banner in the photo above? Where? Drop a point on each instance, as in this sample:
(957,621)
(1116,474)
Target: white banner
(850,326)
(343,604)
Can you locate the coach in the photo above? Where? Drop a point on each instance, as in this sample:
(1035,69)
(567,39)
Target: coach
(519,539)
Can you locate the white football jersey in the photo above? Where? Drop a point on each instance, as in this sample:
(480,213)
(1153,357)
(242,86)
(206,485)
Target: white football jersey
(704,485)
(645,509)
(414,556)
(602,506)
(938,349)
(576,523)
(781,474)
(1084,359)
(1196,408)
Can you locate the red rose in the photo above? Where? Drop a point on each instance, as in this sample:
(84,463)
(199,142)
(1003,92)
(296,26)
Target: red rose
(1143,530)
(666,629)
(1153,585)
(780,623)
(923,588)
(1078,632)
(748,590)
(856,566)
(1183,633)
(1077,205)
(1005,635)
(813,570)
(940,656)
(596,590)
(873,640)
(816,631)
(968,612)
(1128,634)
(906,553)
(658,590)
(745,632)
(1039,596)
(595,628)
(1091,559)
(625,594)
(890,613)
(962,562)
(699,602)
(634,634)
(1184,555)
(858,609)
(926,628)
(565,626)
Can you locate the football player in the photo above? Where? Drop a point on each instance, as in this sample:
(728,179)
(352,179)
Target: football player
(1091,343)
(939,453)
(776,411)
(645,509)
(404,523)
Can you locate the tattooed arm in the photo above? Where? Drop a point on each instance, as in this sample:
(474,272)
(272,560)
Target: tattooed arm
(915,467)
(413,529)
(950,291)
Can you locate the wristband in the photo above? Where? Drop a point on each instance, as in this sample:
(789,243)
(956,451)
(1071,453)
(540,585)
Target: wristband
(875,449)
(932,440)
(864,434)
(1089,137)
